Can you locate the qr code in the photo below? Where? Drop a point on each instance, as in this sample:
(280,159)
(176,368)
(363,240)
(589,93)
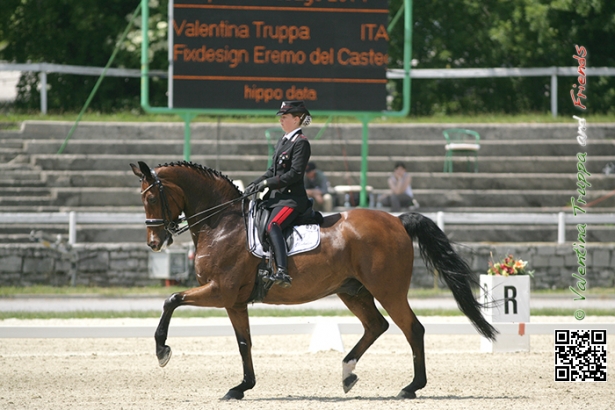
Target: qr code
(580,355)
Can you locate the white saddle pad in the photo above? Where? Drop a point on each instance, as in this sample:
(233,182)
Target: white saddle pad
(305,238)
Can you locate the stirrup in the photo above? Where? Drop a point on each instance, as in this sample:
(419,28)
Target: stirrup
(282,279)
(265,273)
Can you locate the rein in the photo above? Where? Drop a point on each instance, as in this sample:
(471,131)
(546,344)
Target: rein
(172,226)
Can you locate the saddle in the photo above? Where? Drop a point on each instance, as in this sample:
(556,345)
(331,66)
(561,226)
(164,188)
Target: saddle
(261,216)
(303,236)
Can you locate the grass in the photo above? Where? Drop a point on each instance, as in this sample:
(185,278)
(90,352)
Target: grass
(142,291)
(44,290)
(209,313)
(163,292)
(12,120)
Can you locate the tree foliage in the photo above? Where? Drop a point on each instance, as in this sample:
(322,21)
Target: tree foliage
(446,34)
(74,32)
(507,33)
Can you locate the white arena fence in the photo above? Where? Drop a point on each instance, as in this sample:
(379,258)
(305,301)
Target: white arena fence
(416,73)
(560,219)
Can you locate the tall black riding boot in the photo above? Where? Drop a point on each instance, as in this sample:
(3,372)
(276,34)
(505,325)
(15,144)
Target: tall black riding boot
(276,239)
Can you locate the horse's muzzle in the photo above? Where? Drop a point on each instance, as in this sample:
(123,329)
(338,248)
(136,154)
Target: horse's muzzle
(157,242)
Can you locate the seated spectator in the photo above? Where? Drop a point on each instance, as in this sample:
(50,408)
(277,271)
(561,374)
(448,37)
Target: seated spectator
(401,190)
(317,187)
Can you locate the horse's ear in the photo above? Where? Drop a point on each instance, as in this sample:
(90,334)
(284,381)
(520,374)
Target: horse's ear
(147,173)
(136,171)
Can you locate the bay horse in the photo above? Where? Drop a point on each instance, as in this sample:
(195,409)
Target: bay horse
(364,255)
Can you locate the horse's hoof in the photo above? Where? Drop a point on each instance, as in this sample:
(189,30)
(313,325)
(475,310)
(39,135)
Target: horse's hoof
(164,356)
(233,395)
(349,382)
(406,395)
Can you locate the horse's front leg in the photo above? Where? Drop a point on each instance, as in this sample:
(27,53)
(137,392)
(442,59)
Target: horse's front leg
(163,352)
(207,295)
(241,325)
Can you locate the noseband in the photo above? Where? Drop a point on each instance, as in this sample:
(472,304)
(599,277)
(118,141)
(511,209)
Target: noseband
(167,222)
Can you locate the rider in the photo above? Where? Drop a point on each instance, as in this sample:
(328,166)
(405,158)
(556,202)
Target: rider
(286,197)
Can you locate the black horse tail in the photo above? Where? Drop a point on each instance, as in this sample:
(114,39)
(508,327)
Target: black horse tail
(438,254)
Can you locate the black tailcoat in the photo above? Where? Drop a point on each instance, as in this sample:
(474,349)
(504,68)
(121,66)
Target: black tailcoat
(285,175)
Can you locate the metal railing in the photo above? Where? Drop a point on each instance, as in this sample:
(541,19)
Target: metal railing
(561,219)
(552,72)
(45,68)
(447,73)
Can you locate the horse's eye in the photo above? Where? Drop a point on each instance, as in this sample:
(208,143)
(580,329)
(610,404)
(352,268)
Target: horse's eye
(151,199)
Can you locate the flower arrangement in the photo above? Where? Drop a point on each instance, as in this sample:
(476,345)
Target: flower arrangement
(508,266)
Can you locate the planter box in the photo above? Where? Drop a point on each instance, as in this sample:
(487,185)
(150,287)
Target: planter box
(507,300)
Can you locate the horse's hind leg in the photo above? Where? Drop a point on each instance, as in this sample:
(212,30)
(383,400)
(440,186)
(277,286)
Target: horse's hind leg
(362,305)
(414,331)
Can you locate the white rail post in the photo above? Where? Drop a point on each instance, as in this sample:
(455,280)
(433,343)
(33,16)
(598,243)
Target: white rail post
(561,228)
(440,220)
(554,92)
(72,227)
(43,81)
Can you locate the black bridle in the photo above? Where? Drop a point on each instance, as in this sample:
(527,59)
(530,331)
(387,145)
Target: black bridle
(170,225)
(173,226)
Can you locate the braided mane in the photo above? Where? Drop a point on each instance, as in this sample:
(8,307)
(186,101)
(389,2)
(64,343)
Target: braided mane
(209,172)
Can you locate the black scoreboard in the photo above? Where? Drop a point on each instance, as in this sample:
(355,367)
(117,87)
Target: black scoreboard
(253,54)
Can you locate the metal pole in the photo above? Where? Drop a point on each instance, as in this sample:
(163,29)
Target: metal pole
(187,138)
(72,228)
(73,267)
(396,18)
(440,220)
(363,200)
(554,93)
(561,228)
(187,117)
(43,81)
(145,54)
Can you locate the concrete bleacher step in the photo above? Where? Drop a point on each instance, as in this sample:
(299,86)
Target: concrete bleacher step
(60,208)
(234,131)
(319,147)
(23,202)
(89,196)
(226,163)
(21,174)
(10,146)
(12,143)
(26,191)
(11,131)
(69,196)
(88,178)
(522,168)
(8,181)
(8,154)
(460,180)
(504,198)
(420,180)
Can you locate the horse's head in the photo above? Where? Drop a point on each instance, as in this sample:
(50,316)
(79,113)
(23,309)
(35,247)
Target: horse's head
(161,214)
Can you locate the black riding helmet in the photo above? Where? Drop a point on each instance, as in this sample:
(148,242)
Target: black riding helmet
(291,107)
(295,107)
